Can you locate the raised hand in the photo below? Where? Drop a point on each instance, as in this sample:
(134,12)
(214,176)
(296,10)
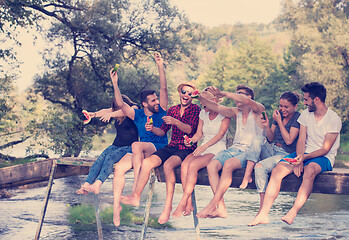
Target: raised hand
(216,92)
(113,76)
(106,117)
(277,116)
(158,59)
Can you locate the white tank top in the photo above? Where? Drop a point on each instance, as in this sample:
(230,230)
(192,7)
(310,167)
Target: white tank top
(245,133)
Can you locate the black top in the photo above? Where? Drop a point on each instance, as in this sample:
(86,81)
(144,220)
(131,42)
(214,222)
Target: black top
(126,133)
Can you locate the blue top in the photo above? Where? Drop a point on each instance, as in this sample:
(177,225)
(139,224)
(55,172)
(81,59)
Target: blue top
(278,137)
(147,136)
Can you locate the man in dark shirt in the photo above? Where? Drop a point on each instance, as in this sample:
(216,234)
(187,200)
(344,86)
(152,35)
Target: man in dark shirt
(183,119)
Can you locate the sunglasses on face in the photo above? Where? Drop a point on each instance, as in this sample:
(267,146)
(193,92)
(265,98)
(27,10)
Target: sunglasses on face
(185,92)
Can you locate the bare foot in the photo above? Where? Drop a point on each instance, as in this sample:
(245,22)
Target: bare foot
(188,209)
(178,212)
(245,182)
(131,200)
(289,217)
(206,212)
(165,215)
(221,213)
(81,191)
(116,215)
(259,219)
(92,188)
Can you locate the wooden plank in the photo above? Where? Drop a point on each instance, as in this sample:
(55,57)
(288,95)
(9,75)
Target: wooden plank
(333,182)
(40,171)
(47,197)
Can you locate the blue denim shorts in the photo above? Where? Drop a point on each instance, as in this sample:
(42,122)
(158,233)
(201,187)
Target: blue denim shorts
(323,162)
(232,152)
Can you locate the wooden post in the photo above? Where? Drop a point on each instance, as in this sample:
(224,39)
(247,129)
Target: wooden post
(147,207)
(98,216)
(47,196)
(195,211)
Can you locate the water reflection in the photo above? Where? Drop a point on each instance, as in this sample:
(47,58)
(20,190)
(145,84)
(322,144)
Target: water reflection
(322,217)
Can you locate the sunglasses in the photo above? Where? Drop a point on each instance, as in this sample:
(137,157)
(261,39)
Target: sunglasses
(185,92)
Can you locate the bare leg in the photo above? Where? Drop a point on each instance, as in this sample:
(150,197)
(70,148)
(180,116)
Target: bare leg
(121,168)
(248,172)
(193,168)
(279,172)
(184,173)
(310,172)
(140,150)
(213,167)
(169,166)
(148,164)
(230,165)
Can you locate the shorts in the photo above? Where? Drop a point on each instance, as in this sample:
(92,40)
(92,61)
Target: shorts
(159,145)
(322,161)
(168,151)
(232,152)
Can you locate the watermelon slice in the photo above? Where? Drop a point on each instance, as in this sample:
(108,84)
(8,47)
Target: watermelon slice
(87,116)
(195,94)
(115,69)
(188,140)
(149,120)
(290,160)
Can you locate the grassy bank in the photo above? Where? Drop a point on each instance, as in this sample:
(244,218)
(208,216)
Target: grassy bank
(83,217)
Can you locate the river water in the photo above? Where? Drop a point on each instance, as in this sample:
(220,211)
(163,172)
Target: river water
(322,217)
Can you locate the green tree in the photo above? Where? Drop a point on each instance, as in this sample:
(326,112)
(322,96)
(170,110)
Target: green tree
(319,48)
(90,38)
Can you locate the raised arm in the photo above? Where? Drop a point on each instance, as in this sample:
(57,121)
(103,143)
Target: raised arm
(129,111)
(163,82)
(223,110)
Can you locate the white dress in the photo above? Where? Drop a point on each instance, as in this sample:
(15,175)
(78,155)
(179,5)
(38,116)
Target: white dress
(210,129)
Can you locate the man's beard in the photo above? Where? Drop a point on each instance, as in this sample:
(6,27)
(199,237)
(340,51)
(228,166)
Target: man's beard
(153,109)
(312,107)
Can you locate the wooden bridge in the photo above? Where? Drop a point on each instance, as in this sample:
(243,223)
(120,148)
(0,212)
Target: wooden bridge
(334,182)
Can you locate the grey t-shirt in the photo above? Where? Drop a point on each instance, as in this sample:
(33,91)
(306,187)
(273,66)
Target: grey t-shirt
(278,137)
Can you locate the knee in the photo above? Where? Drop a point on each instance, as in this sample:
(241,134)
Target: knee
(276,174)
(168,167)
(213,167)
(258,165)
(309,174)
(136,147)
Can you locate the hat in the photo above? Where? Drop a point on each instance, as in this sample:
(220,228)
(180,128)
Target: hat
(189,84)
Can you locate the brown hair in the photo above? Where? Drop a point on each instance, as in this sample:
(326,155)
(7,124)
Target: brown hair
(248,90)
(115,107)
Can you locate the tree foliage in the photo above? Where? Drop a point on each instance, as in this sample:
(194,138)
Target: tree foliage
(89,38)
(319,48)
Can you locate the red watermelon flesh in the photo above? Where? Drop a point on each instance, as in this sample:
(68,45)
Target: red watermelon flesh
(87,116)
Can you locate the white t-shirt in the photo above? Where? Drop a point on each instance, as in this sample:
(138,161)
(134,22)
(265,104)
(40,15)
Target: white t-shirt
(245,133)
(317,130)
(210,129)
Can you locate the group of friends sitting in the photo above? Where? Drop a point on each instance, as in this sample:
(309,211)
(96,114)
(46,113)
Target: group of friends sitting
(292,142)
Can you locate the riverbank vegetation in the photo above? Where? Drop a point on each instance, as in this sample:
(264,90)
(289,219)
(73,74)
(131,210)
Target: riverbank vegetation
(83,217)
(308,42)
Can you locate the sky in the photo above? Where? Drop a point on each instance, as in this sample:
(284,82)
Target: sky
(210,13)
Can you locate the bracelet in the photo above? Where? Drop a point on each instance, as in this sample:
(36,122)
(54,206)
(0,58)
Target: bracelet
(95,114)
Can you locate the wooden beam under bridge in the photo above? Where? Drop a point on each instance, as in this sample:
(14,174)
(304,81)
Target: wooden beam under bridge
(333,182)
